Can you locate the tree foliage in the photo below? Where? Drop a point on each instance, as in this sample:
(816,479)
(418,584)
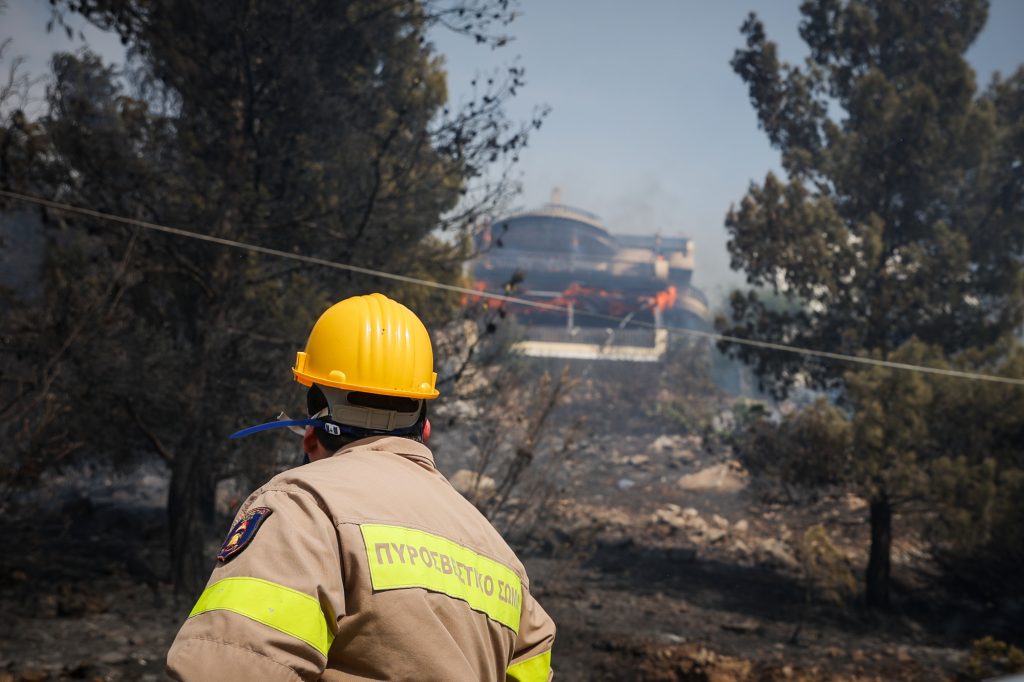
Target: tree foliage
(919,441)
(319,128)
(898,229)
(809,449)
(901,216)
(977,479)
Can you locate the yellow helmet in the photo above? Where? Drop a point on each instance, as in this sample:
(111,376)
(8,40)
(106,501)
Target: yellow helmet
(370,344)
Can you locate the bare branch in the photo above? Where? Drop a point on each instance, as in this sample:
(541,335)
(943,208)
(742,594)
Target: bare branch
(154,440)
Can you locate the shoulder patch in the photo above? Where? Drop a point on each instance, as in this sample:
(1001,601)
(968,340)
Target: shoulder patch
(243,532)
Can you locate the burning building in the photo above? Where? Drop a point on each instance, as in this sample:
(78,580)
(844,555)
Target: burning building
(614,293)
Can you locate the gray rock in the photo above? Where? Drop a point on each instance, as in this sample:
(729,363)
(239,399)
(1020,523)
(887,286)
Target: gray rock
(714,535)
(739,547)
(770,551)
(745,626)
(112,658)
(697,526)
(665,444)
(722,478)
(467,483)
(684,455)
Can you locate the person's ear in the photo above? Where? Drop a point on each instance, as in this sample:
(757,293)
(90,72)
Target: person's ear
(309,442)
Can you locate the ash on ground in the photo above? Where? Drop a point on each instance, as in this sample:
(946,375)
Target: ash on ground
(645,542)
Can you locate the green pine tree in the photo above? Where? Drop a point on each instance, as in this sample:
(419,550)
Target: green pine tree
(319,127)
(900,217)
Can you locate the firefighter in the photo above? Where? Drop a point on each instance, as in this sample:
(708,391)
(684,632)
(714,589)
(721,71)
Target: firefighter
(364,563)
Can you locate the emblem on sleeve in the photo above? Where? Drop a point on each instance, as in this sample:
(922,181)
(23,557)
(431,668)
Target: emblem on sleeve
(243,532)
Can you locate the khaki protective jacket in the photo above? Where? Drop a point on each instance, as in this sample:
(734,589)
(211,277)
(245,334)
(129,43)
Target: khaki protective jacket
(366,565)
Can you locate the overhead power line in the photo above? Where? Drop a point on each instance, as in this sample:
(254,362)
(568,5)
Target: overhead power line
(622,322)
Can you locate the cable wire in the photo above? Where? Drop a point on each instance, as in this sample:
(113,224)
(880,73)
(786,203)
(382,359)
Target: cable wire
(313,260)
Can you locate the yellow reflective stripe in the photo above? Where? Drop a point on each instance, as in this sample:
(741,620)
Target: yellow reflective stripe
(402,557)
(282,608)
(534,669)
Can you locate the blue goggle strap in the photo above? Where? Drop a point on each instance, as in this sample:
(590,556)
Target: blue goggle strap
(328,426)
(286,423)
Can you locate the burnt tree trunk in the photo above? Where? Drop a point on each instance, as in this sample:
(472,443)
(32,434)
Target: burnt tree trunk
(192,494)
(879,561)
(190,505)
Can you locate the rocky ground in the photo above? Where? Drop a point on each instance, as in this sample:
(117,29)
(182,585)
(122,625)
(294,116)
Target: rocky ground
(653,555)
(660,561)
(84,592)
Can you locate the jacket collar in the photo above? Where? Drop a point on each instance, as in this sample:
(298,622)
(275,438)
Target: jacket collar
(396,445)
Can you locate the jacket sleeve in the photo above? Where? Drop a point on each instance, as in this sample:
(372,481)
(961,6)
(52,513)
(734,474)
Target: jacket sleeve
(270,611)
(531,658)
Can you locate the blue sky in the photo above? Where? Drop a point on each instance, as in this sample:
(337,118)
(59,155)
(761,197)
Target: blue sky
(649,127)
